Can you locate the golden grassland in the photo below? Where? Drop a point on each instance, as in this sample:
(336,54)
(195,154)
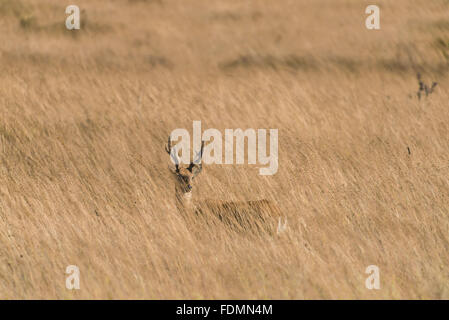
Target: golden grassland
(85,114)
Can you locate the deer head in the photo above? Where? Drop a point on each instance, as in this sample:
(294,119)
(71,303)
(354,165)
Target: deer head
(185,176)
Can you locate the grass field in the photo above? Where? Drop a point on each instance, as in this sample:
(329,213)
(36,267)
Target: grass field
(363,163)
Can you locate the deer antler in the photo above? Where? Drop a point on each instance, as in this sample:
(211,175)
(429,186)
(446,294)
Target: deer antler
(172,152)
(197,160)
(199,155)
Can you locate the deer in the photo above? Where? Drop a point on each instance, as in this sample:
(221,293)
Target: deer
(242,216)
(423,88)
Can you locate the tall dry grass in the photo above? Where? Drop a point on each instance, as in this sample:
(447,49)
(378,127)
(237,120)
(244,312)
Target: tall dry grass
(85,114)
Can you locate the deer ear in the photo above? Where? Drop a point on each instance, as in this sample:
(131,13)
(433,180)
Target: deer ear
(196,169)
(173,169)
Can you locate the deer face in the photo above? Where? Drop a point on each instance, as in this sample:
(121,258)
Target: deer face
(185,176)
